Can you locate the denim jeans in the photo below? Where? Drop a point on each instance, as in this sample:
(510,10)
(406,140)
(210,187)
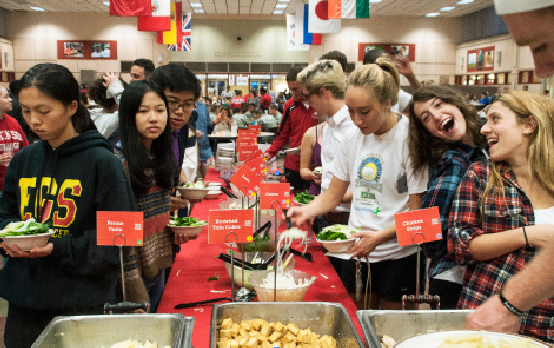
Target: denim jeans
(155,287)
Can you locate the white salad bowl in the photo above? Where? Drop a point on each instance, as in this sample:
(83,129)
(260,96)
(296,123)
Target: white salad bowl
(28,242)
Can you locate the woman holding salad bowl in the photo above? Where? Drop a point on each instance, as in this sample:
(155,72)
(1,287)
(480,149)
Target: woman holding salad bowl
(376,165)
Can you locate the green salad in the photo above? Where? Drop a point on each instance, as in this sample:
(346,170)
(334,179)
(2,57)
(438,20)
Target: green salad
(336,232)
(186,221)
(22,228)
(304,197)
(196,186)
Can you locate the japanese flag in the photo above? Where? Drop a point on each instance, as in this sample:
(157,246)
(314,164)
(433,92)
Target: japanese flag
(319,21)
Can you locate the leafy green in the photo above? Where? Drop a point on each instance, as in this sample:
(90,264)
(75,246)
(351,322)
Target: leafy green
(186,221)
(304,197)
(214,276)
(22,228)
(331,236)
(336,232)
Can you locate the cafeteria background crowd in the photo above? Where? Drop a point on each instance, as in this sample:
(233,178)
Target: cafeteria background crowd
(382,152)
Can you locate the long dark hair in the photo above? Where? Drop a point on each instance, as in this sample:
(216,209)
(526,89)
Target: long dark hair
(144,167)
(57,82)
(426,149)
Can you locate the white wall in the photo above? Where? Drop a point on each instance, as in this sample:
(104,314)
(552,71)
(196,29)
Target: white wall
(435,40)
(35,34)
(214,40)
(34,38)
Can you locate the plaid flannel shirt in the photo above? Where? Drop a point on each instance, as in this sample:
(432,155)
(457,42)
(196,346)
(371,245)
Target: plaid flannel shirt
(483,279)
(444,180)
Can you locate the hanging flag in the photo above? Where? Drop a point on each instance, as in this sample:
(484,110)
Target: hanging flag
(348,9)
(183,32)
(170,37)
(293,42)
(158,20)
(129,8)
(302,16)
(319,18)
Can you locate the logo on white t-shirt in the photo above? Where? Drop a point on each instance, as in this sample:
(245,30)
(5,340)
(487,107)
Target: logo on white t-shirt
(369,173)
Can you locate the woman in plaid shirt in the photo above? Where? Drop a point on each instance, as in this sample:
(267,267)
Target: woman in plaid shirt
(444,136)
(503,208)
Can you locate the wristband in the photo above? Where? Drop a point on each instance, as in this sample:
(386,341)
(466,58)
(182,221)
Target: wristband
(510,306)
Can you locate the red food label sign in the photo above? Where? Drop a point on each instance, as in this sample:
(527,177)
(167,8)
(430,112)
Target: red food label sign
(222,222)
(119,228)
(418,226)
(256,160)
(246,181)
(247,134)
(245,152)
(275,196)
(257,128)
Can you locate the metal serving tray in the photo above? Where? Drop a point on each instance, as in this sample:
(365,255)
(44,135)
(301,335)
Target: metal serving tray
(173,330)
(403,324)
(323,318)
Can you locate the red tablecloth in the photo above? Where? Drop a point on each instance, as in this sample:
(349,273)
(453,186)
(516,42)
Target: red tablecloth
(188,281)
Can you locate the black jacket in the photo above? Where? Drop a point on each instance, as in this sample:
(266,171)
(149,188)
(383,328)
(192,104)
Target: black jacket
(84,177)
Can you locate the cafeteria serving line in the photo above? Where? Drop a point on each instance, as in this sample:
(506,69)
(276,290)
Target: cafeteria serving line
(115,110)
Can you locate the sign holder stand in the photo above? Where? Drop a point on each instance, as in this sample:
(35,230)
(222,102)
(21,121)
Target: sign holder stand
(120,246)
(233,265)
(276,246)
(418,298)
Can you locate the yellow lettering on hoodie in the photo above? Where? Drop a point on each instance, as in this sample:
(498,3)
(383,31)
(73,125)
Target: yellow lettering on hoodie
(24,185)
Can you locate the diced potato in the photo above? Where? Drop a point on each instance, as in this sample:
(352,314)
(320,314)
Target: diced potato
(279,327)
(252,342)
(226,323)
(225,333)
(293,328)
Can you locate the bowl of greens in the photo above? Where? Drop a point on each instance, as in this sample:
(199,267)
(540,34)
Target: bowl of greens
(193,191)
(303,198)
(336,238)
(186,225)
(27,234)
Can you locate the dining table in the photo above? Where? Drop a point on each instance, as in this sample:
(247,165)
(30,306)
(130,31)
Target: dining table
(198,274)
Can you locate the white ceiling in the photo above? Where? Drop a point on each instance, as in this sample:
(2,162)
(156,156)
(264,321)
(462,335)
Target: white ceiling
(415,8)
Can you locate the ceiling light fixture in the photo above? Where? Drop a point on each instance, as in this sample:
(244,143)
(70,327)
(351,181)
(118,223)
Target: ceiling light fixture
(280,6)
(195,4)
(39,9)
(464,2)
(374,1)
(448,8)
(277,12)
(199,10)
(107,3)
(432,14)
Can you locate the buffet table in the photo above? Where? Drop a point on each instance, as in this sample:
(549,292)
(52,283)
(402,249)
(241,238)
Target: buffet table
(197,261)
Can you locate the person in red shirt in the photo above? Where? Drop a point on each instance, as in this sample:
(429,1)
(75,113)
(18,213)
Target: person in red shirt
(266,100)
(12,137)
(237,101)
(298,117)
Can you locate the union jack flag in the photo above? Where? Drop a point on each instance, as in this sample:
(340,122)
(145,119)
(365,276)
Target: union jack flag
(183,34)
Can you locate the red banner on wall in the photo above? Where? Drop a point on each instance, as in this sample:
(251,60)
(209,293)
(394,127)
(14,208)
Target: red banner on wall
(481,59)
(395,50)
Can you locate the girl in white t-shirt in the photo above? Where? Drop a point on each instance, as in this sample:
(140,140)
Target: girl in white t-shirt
(376,165)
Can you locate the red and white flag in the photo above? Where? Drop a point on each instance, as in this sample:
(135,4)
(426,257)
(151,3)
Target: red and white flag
(129,8)
(319,21)
(159,18)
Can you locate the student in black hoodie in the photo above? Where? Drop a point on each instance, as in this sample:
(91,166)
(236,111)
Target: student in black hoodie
(79,176)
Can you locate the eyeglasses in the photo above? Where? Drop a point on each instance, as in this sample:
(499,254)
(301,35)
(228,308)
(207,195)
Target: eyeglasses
(174,106)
